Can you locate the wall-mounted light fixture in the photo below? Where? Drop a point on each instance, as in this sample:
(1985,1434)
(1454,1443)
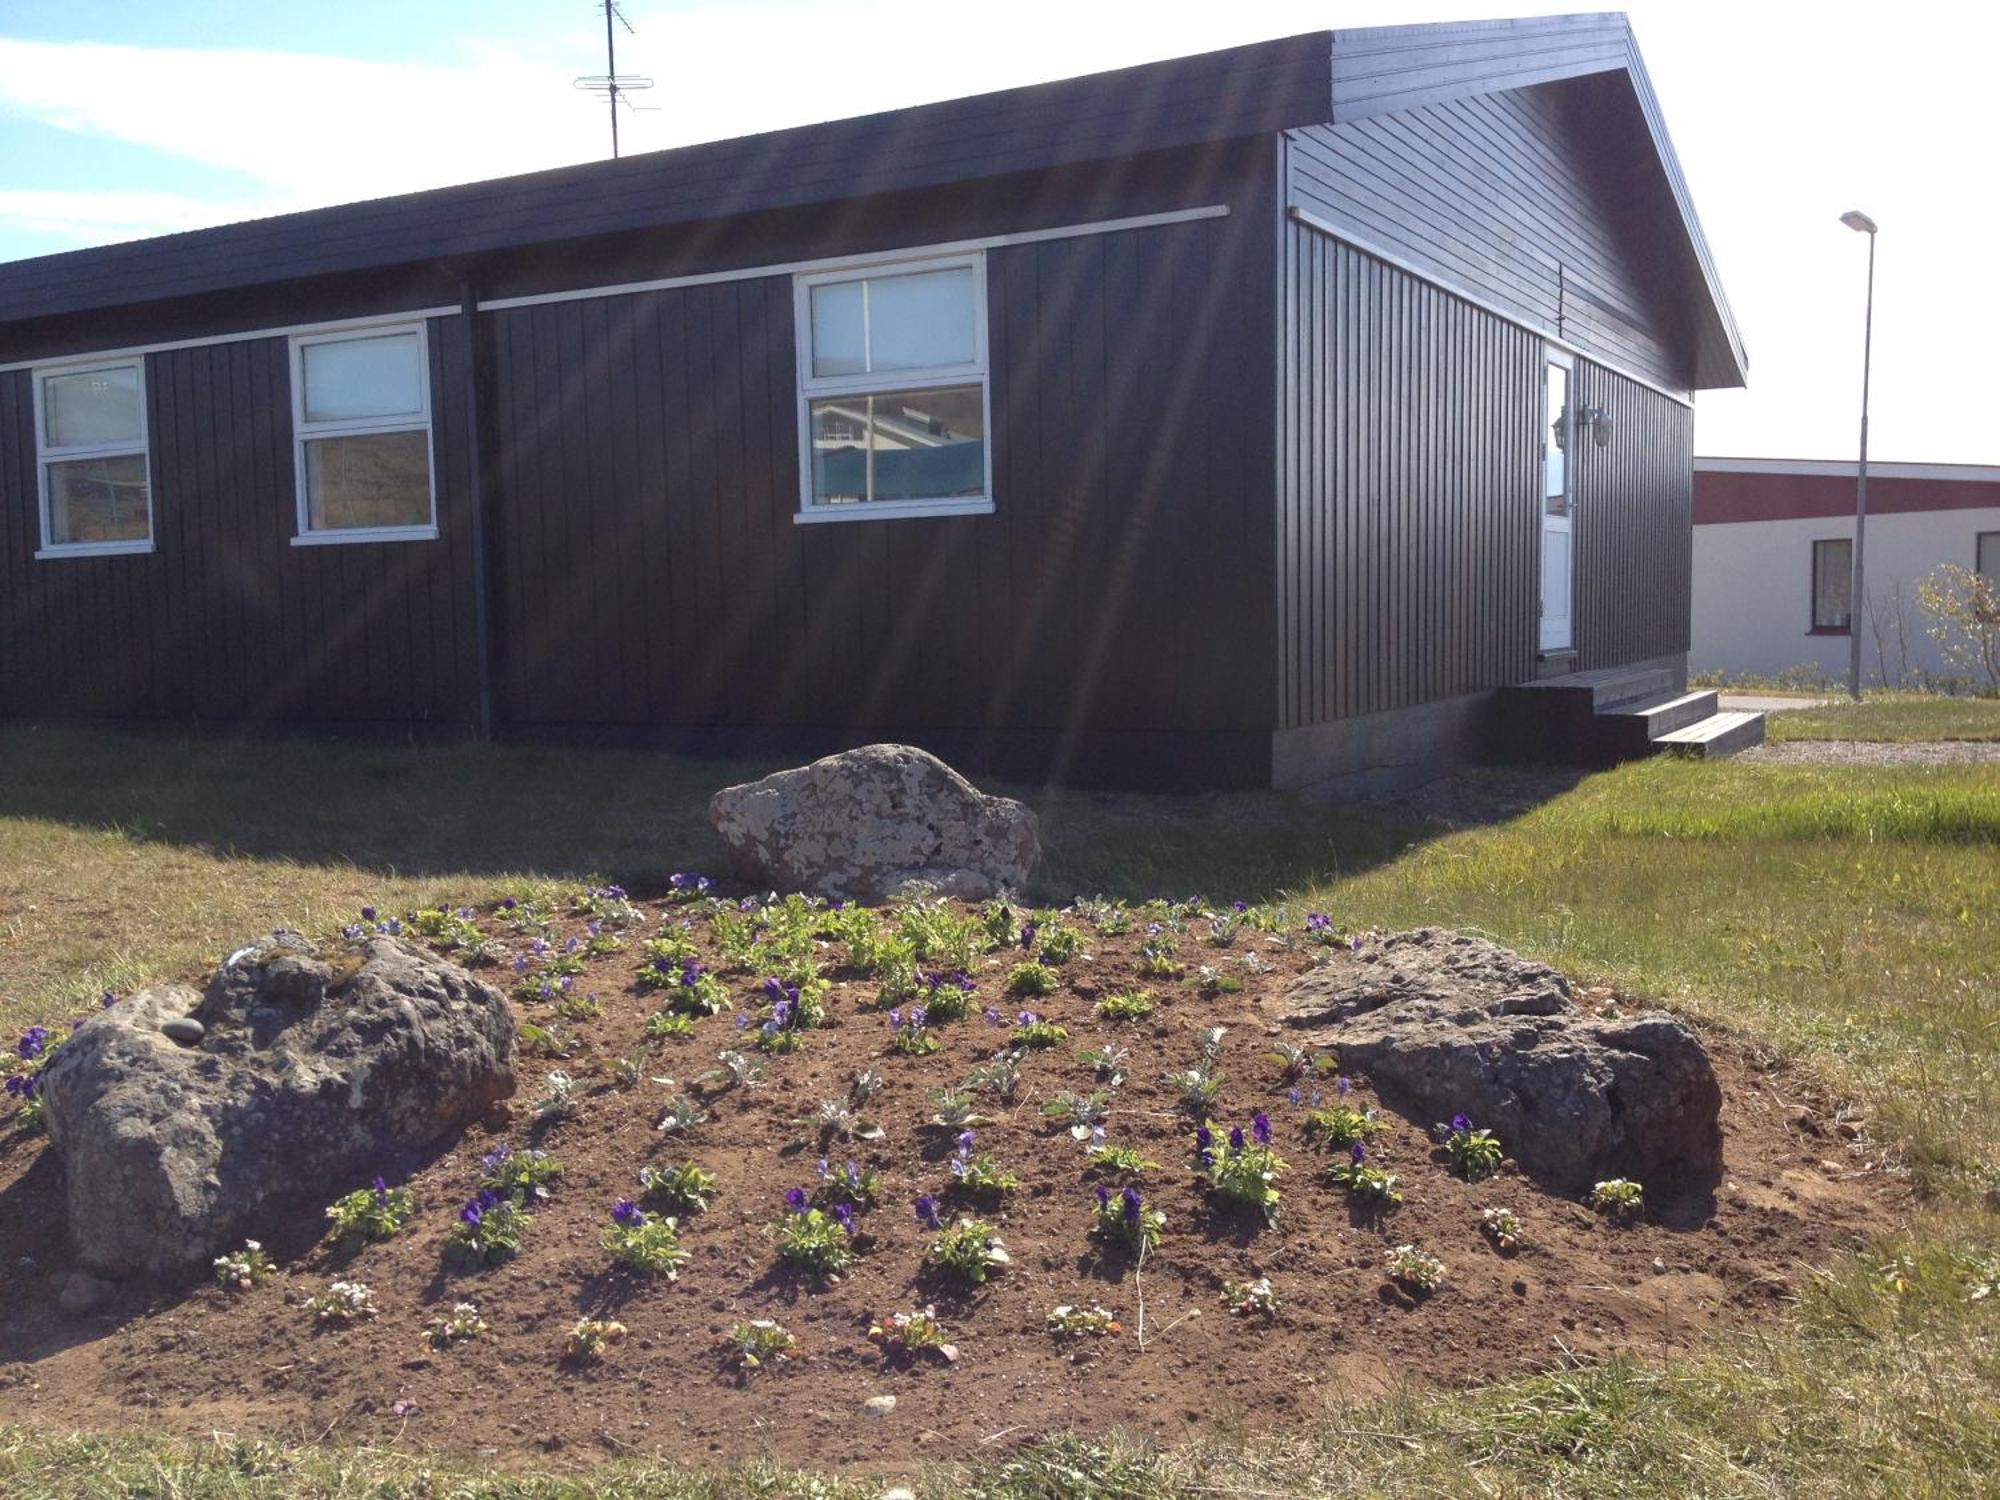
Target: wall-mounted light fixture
(1597,419)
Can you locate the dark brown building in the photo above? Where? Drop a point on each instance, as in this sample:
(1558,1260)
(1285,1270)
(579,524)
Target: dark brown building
(1240,419)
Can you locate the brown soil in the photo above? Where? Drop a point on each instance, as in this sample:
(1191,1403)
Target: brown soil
(1797,1190)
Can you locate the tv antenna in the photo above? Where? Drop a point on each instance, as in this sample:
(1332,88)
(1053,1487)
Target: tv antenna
(612,85)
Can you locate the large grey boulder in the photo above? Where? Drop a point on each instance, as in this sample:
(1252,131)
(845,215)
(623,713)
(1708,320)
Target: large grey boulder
(310,1075)
(1443,1024)
(868,824)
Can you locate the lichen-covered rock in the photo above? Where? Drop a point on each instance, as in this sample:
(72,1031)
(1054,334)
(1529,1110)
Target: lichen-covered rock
(868,824)
(311,1074)
(1442,1023)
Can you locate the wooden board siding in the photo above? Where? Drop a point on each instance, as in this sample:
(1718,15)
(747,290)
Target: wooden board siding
(646,479)
(226,623)
(1406,513)
(1634,529)
(1512,198)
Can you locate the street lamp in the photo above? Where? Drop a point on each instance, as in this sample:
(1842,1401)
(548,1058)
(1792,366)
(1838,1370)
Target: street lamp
(1856,220)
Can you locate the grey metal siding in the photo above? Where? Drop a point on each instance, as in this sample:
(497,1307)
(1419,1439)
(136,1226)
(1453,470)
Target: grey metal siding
(1514,198)
(1406,500)
(1634,524)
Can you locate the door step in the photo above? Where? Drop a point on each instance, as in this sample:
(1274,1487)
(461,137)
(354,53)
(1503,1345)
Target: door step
(1629,731)
(1613,714)
(1715,736)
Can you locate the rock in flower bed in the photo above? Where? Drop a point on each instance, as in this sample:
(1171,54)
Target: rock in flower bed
(1446,1023)
(869,824)
(304,1073)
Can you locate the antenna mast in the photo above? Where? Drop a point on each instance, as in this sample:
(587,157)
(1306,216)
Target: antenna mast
(611,84)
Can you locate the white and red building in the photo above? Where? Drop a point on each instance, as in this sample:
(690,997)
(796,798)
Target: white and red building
(1773,561)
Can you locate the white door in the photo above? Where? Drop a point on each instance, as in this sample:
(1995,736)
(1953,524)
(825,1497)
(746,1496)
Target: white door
(1558,553)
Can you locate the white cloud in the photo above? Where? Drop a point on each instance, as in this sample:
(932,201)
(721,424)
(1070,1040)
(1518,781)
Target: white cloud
(313,129)
(97,218)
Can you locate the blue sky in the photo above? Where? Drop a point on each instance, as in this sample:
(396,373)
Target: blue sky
(120,119)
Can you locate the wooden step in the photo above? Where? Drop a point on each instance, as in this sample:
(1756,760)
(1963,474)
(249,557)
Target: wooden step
(1603,688)
(1625,733)
(1715,736)
(1556,720)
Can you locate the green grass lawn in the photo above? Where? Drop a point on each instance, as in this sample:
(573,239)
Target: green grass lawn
(1851,915)
(1903,717)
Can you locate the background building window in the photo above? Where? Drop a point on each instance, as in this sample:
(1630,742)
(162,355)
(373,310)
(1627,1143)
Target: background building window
(1986,554)
(96,483)
(892,389)
(362,421)
(1832,584)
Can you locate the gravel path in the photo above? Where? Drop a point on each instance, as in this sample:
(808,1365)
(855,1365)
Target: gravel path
(1876,753)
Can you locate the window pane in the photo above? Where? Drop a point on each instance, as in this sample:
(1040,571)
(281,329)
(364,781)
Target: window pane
(840,450)
(1833,580)
(99,500)
(837,329)
(356,379)
(378,479)
(921,321)
(1989,554)
(899,445)
(99,407)
(1555,467)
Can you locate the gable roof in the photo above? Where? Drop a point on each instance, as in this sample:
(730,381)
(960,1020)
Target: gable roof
(1380,69)
(1318,78)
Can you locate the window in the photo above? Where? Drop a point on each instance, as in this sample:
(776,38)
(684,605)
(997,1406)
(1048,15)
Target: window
(892,391)
(1832,584)
(361,422)
(90,449)
(1986,556)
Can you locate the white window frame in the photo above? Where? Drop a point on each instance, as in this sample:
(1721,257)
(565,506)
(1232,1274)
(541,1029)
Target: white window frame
(304,432)
(812,387)
(45,455)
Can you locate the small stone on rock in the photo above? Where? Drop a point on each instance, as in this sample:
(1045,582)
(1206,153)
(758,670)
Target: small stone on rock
(183,1029)
(879,1406)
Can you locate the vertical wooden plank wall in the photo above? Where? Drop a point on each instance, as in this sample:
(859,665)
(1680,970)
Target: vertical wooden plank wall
(647,478)
(1406,516)
(1634,524)
(226,623)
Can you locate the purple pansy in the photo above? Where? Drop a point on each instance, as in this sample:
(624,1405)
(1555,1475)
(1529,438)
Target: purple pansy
(1260,1128)
(628,1215)
(1132,1204)
(927,1212)
(1461,1124)
(795,1199)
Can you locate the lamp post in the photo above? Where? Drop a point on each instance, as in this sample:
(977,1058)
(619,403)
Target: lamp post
(1856,220)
